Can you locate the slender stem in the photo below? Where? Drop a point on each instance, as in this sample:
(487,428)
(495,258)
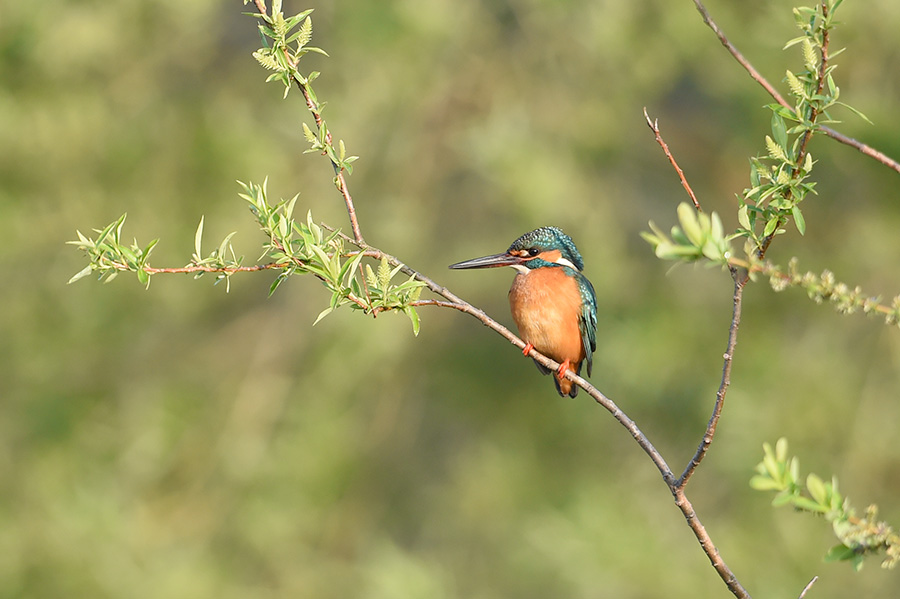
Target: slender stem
(810,117)
(740,280)
(195,268)
(820,85)
(808,586)
(339,180)
(654,126)
(861,147)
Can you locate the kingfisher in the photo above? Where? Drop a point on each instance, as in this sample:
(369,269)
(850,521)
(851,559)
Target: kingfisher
(552,302)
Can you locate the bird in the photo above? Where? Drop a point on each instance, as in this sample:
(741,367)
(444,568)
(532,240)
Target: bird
(553,304)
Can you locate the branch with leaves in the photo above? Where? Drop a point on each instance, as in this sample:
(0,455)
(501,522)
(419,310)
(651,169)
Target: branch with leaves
(859,536)
(779,183)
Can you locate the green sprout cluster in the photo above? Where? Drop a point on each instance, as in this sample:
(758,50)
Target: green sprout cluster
(285,41)
(309,248)
(289,38)
(108,256)
(857,536)
(700,236)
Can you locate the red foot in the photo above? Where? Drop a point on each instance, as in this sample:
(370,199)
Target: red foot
(561,373)
(528,348)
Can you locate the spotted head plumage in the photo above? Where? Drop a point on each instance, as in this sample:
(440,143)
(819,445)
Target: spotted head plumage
(545,239)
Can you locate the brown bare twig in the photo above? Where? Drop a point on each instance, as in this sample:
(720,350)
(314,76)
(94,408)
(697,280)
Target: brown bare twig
(740,280)
(654,126)
(808,586)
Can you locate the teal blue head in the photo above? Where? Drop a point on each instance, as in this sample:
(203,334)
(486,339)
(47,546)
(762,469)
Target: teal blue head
(546,246)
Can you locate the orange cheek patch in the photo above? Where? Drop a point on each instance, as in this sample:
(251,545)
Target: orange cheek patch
(550,256)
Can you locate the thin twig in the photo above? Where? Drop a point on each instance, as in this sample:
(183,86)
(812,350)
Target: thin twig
(654,126)
(339,180)
(808,586)
(740,280)
(820,85)
(197,268)
(840,137)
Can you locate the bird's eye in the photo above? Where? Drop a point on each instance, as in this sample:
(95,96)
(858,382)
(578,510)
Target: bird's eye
(533,251)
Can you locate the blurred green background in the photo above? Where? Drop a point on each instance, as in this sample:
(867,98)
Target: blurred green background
(185,442)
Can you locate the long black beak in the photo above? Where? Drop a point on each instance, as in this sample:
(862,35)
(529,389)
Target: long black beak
(489,261)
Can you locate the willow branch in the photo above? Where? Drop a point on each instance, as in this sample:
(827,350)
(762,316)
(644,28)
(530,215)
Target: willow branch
(340,180)
(840,137)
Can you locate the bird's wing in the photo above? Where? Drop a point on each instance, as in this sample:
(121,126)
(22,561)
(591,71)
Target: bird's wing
(587,321)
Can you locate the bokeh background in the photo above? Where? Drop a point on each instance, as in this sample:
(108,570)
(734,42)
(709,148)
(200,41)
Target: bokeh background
(183,442)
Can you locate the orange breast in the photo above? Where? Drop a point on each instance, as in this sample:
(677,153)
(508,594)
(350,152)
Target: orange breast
(546,305)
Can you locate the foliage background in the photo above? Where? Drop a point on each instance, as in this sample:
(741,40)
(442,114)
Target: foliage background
(183,442)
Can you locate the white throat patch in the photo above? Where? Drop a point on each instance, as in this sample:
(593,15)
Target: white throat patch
(565,262)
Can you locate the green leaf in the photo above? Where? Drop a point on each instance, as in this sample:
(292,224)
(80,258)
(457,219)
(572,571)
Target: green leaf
(804,503)
(348,270)
(744,217)
(413,318)
(764,483)
(817,490)
(282,276)
(781,449)
(81,274)
(323,314)
(226,244)
(144,277)
(782,498)
(198,236)
(856,112)
(840,553)
(148,249)
(798,219)
(779,130)
(690,224)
